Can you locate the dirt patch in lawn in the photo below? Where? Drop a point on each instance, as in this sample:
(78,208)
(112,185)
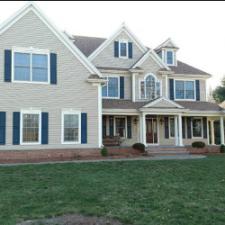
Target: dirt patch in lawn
(73,220)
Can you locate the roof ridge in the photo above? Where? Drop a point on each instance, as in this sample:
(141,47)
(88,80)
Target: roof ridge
(83,36)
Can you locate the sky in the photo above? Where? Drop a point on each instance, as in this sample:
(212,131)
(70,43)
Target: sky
(197,28)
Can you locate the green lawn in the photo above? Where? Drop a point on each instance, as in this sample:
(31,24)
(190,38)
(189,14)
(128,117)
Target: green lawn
(190,192)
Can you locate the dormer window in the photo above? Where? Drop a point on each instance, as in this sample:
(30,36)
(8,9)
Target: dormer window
(123,49)
(169,57)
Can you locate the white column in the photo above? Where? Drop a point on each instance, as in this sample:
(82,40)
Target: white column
(212,132)
(140,129)
(180,130)
(144,129)
(100,142)
(133,87)
(176,131)
(222,130)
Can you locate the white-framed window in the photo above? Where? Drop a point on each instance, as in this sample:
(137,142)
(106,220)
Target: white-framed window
(170,57)
(30,65)
(123,49)
(30,125)
(120,124)
(71,127)
(112,87)
(172,127)
(150,87)
(184,90)
(197,127)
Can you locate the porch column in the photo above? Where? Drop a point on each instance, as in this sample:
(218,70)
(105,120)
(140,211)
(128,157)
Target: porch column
(144,128)
(180,130)
(221,130)
(212,132)
(140,129)
(176,131)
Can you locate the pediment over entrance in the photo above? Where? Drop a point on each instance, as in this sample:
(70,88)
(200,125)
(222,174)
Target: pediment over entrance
(163,103)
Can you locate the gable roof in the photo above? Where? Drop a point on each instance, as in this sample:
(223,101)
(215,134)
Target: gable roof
(183,68)
(32,7)
(123,28)
(156,102)
(167,44)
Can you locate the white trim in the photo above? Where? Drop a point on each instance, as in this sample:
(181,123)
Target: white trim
(184,80)
(165,43)
(180,130)
(151,53)
(134,87)
(100,116)
(194,137)
(122,28)
(112,76)
(30,111)
(127,50)
(165,99)
(31,51)
(31,6)
(173,56)
(71,112)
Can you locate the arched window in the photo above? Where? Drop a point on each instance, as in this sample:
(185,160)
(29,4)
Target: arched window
(150,87)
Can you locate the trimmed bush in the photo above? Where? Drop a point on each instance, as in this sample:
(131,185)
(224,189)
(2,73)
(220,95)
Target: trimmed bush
(139,146)
(104,151)
(222,149)
(198,144)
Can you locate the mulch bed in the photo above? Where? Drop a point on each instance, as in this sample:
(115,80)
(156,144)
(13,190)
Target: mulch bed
(73,220)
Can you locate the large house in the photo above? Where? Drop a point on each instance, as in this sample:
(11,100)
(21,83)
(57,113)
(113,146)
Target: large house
(60,91)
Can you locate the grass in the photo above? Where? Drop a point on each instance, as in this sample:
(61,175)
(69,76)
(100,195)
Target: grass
(140,193)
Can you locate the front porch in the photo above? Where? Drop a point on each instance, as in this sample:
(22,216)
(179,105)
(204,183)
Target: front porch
(174,129)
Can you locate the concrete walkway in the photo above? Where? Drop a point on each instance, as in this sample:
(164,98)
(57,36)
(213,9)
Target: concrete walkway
(146,158)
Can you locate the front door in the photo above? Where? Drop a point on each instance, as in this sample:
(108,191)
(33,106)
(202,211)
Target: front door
(151,130)
(120,126)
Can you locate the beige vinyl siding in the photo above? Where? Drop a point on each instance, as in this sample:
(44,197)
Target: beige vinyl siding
(106,57)
(71,92)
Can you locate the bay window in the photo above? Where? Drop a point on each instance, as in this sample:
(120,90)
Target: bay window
(184,90)
(31,65)
(111,88)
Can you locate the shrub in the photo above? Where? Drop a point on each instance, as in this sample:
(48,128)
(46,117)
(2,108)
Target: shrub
(222,149)
(139,146)
(104,151)
(198,144)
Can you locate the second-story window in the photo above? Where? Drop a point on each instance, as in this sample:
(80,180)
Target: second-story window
(123,49)
(184,90)
(111,89)
(31,66)
(150,88)
(169,57)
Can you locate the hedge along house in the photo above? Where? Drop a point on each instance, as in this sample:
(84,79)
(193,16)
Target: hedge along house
(73,92)
(150,96)
(50,92)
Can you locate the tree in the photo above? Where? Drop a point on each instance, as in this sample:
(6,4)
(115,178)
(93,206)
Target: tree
(219,92)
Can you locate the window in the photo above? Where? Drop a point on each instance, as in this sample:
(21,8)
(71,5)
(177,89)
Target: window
(111,89)
(197,127)
(185,89)
(123,49)
(31,66)
(150,88)
(172,127)
(169,57)
(120,123)
(30,127)
(71,128)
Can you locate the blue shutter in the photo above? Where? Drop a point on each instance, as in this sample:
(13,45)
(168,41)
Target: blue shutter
(16,128)
(197,88)
(166,123)
(130,50)
(8,65)
(116,49)
(44,128)
(122,87)
(205,127)
(183,127)
(171,89)
(53,68)
(2,127)
(189,130)
(129,127)
(111,126)
(83,128)
(104,133)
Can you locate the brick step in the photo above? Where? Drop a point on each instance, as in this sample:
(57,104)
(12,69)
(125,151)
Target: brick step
(155,149)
